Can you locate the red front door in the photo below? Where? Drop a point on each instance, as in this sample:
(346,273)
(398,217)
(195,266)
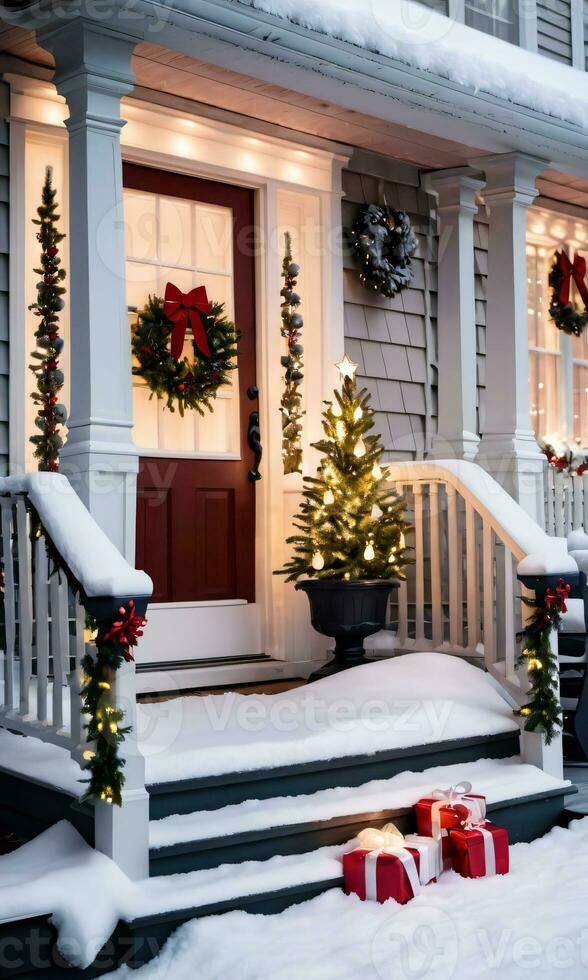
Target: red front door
(196,509)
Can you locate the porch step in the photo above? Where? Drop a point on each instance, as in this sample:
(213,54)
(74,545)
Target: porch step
(520,797)
(214,792)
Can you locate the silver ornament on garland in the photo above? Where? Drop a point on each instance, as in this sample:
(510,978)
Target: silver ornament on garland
(383,243)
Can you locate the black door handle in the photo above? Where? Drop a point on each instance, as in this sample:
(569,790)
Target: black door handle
(254,435)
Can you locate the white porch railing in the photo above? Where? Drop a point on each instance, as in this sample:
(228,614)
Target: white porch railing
(461,595)
(57,564)
(566,502)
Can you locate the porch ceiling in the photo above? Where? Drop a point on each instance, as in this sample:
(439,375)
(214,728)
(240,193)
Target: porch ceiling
(164,75)
(166,72)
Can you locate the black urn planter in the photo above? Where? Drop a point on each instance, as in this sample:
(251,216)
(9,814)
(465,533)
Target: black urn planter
(349,612)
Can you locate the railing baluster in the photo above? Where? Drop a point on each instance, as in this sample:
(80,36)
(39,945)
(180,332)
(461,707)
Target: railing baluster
(59,642)
(9,602)
(585,500)
(75,677)
(559,505)
(25,604)
(454,549)
(550,503)
(578,508)
(436,595)
(419,568)
(509,616)
(473,588)
(568,503)
(488,595)
(41,587)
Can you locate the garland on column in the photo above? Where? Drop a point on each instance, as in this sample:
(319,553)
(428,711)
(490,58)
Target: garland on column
(113,642)
(291,403)
(51,414)
(543,709)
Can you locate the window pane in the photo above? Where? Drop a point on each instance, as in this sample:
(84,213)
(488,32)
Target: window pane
(496,17)
(543,332)
(544,395)
(581,405)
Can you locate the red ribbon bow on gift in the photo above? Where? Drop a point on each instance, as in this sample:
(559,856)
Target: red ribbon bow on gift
(575,270)
(183,309)
(556,599)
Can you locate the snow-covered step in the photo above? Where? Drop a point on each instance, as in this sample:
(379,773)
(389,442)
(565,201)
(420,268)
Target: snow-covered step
(527,801)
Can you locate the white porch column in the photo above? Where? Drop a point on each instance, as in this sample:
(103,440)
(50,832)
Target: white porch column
(93,72)
(508,449)
(456,318)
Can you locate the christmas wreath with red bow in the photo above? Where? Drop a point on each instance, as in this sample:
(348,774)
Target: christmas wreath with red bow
(562,309)
(158,337)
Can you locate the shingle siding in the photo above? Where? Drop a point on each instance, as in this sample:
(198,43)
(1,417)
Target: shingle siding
(4,260)
(392,340)
(554,29)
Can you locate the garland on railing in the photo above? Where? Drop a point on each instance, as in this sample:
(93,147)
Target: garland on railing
(565,462)
(113,644)
(543,709)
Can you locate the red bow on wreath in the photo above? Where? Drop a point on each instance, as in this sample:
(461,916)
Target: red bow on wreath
(575,270)
(183,309)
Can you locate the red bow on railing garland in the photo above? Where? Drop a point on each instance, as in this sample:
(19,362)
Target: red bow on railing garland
(569,271)
(183,309)
(126,630)
(555,599)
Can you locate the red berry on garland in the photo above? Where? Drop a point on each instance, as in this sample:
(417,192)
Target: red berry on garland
(53,465)
(52,251)
(181,387)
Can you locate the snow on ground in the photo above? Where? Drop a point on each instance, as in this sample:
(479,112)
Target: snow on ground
(423,39)
(496,779)
(371,708)
(529,923)
(41,762)
(84,891)
(368,709)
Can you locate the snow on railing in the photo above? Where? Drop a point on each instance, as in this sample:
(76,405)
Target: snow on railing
(461,595)
(566,502)
(56,564)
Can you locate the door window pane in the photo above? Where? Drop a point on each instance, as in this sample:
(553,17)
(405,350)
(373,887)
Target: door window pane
(190,244)
(496,17)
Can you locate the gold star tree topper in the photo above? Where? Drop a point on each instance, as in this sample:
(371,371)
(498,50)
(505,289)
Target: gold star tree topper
(347,368)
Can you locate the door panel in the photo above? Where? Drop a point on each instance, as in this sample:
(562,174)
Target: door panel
(195,516)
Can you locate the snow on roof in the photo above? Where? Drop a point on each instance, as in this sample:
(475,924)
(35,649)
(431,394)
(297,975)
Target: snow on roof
(428,41)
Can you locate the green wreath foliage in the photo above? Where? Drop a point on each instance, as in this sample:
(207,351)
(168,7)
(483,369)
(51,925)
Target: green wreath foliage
(568,318)
(183,383)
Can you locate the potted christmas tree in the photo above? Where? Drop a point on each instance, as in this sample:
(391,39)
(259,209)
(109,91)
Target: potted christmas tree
(349,544)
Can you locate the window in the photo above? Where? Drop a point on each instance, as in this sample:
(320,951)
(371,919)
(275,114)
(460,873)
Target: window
(558,364)
(496,17)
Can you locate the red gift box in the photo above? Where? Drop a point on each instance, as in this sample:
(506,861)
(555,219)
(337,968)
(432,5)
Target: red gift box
(390,866)
(480,851)
(380,875)
(448,808)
